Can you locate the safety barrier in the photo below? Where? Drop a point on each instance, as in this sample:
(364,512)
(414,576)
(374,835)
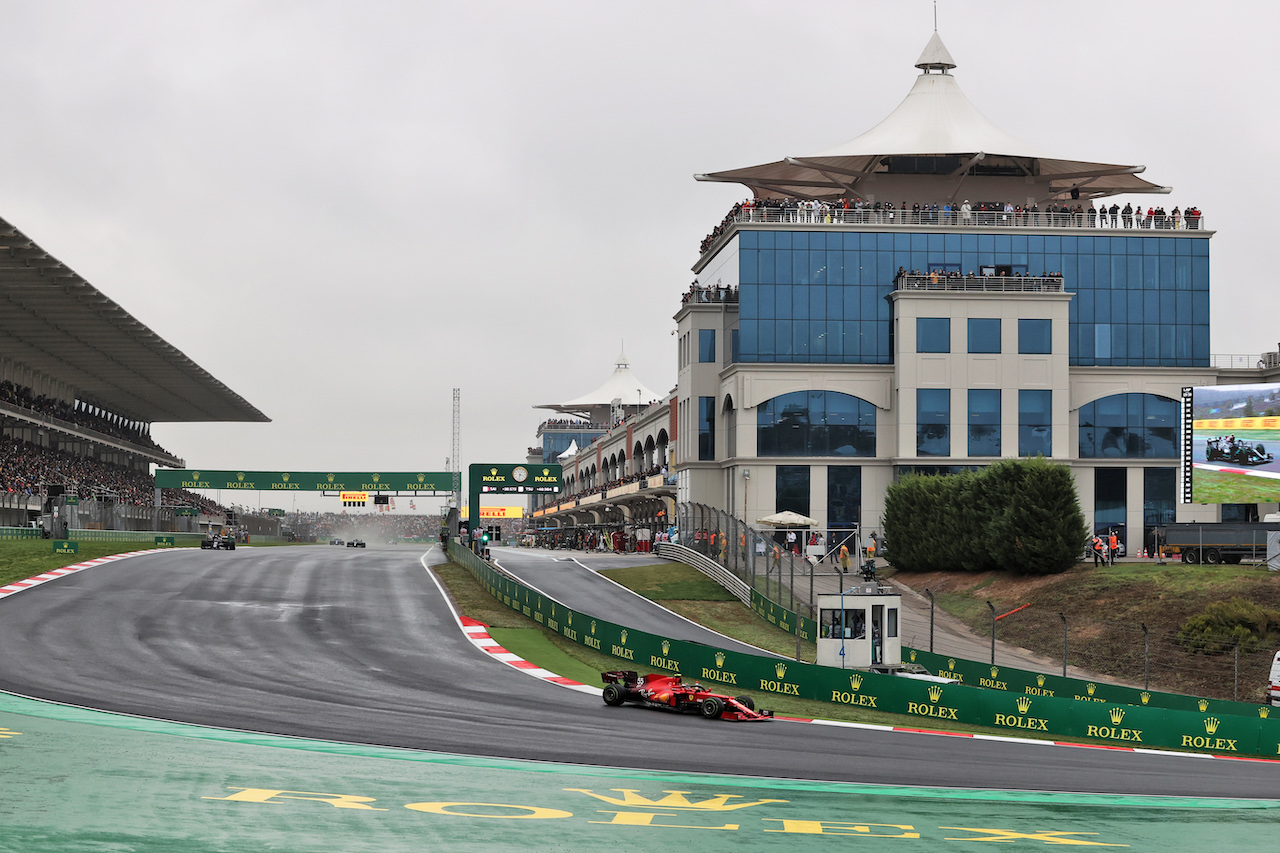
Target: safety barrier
(80,535)
(1041,684)
(1212,729)
(19,533)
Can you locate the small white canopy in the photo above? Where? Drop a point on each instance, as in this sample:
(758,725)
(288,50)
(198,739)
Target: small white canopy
(937,124)
(787,518)
(572,450)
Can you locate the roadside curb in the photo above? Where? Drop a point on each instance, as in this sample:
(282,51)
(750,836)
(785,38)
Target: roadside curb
(478,633)
(54,574)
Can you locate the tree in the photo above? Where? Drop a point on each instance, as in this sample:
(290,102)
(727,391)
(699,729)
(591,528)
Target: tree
(1018,516)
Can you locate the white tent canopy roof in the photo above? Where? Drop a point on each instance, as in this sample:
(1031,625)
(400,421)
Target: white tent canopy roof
(935,120)
(622,385)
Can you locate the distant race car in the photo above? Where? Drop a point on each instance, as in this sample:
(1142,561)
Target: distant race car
(218,543)
(671,693)
(355,543)
(1227,449)
(336,542)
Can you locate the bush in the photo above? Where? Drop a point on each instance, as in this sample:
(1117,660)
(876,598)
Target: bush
(1018,516)
(1223,624)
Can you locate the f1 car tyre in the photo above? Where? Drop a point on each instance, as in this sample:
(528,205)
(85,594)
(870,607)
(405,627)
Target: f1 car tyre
(614,694)
(747,701)
(711,708)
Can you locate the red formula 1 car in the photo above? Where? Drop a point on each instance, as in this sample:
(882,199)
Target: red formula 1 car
(669,692)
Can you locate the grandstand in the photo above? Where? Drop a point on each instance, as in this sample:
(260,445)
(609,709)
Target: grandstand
(81,383)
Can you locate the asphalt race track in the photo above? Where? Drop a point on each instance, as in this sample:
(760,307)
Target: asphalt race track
(566,577)
(361,646)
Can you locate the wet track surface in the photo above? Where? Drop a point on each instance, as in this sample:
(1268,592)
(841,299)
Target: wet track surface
(361,646)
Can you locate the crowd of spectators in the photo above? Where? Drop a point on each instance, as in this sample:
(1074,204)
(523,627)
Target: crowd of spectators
(1057,214)
(715,293)
(625,479)
(29,469)
(79,414)
(568,423)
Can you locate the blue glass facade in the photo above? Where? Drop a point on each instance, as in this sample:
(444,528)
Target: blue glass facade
(819,297)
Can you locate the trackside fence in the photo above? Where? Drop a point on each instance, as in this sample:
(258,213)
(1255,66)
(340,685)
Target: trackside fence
(1210,727)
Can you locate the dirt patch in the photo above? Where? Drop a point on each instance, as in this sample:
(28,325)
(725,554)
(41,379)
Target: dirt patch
(1106,610)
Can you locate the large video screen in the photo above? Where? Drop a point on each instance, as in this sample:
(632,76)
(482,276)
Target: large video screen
(1231,444)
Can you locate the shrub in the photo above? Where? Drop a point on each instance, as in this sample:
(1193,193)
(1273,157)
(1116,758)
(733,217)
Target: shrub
(1223,624)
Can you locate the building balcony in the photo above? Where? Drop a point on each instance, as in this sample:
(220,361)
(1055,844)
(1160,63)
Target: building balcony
(979,283)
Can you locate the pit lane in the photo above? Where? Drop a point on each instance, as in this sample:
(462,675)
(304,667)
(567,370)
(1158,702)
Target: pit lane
(362,647)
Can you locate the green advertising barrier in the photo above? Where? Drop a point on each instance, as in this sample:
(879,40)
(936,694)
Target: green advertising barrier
(19,533)
(1102,718)
(164,541)
(65,546)
(975,674)
(783,618)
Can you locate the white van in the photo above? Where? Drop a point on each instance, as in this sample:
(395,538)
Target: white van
(1273,687)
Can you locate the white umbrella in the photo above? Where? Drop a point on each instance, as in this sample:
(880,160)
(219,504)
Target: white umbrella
(787,518)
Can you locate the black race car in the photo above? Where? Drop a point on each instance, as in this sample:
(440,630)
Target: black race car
(214,542)
(355,543)
(1228,449)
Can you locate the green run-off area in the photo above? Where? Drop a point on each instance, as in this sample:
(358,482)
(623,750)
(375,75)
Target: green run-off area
(76,780)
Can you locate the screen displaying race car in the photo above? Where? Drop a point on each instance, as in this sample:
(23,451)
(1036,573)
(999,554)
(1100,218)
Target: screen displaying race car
(1230,436)
(670,693)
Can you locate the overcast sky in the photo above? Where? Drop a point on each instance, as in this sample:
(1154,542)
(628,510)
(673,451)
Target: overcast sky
(344,210)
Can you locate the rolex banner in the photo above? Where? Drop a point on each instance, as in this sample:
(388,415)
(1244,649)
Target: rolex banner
(785,619)
(977,674)
(1006,703)
(306,481)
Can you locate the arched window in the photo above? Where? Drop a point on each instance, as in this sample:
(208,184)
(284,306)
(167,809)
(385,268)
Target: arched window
(816,423)
(1129,426)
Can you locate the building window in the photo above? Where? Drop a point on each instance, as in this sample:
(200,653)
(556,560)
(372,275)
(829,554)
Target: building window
(933,334)
(1110,488)
(844,503)
(1035,423)
(1129,426)
(706,428)
(984,334)
(933,422)
(984,421)
(1035,337)
(707,346)
(792,488)
(816,423)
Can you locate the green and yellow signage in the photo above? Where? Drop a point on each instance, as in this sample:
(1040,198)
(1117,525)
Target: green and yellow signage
(164,542)
(66,546)
(307,481)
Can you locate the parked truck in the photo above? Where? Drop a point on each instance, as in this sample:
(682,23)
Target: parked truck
(1227,542)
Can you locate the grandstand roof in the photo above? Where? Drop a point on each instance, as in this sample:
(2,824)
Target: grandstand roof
(55,322)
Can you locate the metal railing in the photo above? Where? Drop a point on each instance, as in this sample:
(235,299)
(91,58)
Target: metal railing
(980,283)
(1239,361)
(972,219)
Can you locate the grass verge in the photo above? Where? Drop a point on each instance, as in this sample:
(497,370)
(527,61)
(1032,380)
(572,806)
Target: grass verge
(547,649)
(23,558)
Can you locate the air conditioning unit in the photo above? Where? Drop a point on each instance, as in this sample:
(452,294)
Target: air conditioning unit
(1271,359)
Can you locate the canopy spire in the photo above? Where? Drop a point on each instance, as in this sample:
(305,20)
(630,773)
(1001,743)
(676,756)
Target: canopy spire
(936,57)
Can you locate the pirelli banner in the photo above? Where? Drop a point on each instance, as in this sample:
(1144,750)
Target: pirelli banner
(1029,683)
(785,619)
(1100,718)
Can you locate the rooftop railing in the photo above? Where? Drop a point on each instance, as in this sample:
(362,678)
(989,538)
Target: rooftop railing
(1241,361)
(972,219)
(980,283)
